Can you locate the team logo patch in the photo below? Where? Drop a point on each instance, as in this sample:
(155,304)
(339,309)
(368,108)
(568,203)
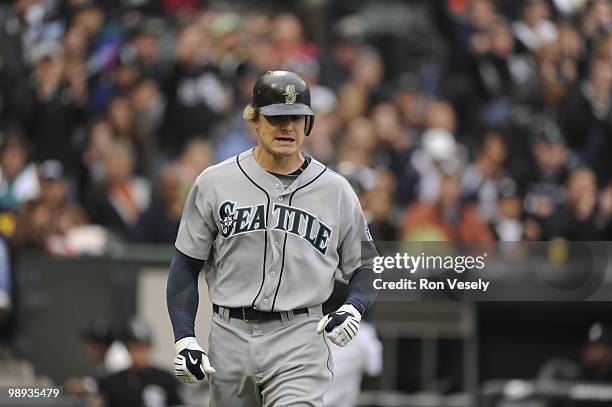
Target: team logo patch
(290,94)
(227,217)
(295,221)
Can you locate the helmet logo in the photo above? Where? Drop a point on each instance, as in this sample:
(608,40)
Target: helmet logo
(290,94)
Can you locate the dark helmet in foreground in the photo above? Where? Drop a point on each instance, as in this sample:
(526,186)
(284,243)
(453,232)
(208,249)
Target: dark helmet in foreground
(283,93)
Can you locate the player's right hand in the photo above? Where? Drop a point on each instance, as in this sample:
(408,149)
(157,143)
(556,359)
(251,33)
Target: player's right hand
(191,363)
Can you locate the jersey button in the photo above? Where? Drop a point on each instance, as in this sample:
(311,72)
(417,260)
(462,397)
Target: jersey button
(275,244)
(276,186)
(280,198)
(265,301)
(273,273)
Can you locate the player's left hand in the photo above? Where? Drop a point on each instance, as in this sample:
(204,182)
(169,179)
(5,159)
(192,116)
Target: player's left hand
(341,325)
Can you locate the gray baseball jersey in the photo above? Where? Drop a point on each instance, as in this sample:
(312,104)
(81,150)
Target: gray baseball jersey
(267,246)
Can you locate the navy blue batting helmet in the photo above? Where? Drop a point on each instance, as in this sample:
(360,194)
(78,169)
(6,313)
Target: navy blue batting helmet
(283,93)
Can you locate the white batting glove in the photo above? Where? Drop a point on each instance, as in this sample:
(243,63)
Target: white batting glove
(341,325)
(191,363)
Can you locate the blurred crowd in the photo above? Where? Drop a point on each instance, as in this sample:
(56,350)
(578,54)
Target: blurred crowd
(453,119)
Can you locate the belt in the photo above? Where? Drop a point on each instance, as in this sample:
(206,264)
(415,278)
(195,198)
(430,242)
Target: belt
(249,314)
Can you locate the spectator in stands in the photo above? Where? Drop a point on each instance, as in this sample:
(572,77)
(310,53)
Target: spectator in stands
(554,84)
(326,133)
(145,42)
(88,16)
(57,109)
(395,140)
(596,20)
(353,102)
(375,189)
(98,141)
(485,177)
(367,73)
(121,197)
(356,145)
(160,221)
(595,364)
(583,219)
(363,87)
(596,358)
(416,169)
(604,49)
(504,76)
(196,157)
(116,79)
(122,119)
(147,104)
(18,176)
(559,64)
(260,50)
(288,39)
(409,100)
(141,384)
(75,44)
(377,202)
(104,348)
(545,187)
(108,354)
(439,114)
(239,136)
(446,218)
(587,118)
(571,45)
(14,71)
(439,154)
(466,27)
(346,43)
(227,50)
(508,224)
(534,29)
(481,14)
(195,94)
(52,214)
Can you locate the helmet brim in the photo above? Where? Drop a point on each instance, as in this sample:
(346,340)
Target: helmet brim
(283,109)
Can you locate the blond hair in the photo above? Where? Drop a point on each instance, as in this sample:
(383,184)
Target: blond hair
(250,114)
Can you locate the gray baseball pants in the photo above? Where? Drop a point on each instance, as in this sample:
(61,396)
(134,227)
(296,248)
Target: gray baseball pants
(281,363)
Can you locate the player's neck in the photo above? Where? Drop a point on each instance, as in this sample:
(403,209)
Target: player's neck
(277,164)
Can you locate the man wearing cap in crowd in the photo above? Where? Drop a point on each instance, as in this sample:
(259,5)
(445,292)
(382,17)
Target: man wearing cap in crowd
(51,215)
(107,352)
(141,384)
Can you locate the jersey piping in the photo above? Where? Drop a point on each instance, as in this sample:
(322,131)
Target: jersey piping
(280,277)
(263,276)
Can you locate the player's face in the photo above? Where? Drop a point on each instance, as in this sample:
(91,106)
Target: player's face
(281,135)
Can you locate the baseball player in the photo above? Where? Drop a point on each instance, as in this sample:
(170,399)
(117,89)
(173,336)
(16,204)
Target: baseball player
(269,227)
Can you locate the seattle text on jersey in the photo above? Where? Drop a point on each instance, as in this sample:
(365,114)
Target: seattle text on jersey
(238,220)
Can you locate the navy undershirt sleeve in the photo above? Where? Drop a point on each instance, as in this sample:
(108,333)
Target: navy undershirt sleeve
(361,289)
(182,294)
